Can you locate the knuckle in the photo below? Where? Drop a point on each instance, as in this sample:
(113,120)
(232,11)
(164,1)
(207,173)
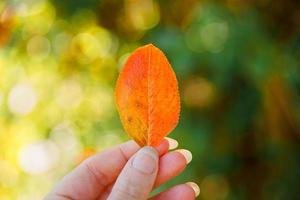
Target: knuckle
(96,174)
(128,189)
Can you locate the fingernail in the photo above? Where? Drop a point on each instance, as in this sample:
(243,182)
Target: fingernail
(195,187)
(146,160)
(187,154)
(173,144)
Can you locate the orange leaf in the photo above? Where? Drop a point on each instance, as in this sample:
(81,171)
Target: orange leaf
(147,96)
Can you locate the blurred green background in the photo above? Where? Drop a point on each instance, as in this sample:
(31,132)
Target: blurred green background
(237,62)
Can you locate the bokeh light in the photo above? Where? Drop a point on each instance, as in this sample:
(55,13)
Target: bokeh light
(38,157)
(69,94)
(199,92)
(61,42)
(38,16)
(213,183)
(38,47)
(142,14)
(63,135)
(210,37)
(87,46)
(22,99)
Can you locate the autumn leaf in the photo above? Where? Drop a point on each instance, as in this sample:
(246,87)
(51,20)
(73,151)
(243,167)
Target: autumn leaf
(147,96)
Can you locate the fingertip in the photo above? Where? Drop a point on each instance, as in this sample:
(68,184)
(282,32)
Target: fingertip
(163,147)
(195,188)
(178,192)
(173,144)
(170,165)
(186,154)
(129,148)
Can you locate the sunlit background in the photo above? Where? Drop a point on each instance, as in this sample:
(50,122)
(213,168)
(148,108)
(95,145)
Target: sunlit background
(237,62)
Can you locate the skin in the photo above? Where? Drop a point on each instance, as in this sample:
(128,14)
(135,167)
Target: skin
(111,175)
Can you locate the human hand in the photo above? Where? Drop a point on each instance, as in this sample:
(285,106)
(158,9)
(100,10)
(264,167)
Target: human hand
(127,172)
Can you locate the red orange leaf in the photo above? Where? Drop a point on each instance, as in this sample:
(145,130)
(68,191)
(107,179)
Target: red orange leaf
(147,96)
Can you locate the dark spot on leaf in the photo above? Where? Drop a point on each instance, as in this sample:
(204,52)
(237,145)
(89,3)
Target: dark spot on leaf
(138,104)
(129,119)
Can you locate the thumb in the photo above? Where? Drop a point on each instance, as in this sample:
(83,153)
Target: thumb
(136,180)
